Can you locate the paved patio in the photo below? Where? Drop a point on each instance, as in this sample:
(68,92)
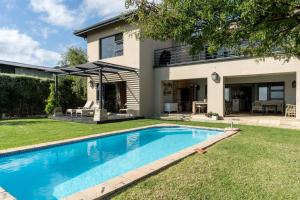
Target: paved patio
(248,119)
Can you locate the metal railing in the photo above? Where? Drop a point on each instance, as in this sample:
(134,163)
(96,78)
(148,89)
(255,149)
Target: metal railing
(181,55)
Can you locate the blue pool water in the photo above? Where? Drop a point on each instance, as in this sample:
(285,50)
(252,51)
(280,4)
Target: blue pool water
(56,172)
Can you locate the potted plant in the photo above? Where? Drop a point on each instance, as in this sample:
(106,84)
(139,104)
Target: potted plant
(213,116)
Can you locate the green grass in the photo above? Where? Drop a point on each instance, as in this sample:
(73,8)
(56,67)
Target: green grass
(258,163)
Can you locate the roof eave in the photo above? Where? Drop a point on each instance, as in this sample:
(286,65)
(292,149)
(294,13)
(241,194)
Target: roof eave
(83,32)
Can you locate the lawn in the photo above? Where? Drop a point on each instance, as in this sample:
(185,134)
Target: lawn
(258,163)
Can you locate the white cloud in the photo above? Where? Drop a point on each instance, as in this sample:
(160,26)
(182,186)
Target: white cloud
(104,8)
(19,47)
(56,12)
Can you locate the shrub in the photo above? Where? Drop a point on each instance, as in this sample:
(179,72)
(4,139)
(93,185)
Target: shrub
(52,102)
(22,95)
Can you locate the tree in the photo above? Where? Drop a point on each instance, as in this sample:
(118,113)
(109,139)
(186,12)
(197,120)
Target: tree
(72,57)
(252,27)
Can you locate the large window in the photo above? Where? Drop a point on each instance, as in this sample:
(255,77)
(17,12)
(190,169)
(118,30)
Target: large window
(271,91)
(111,46)
(263,93)
(277,92)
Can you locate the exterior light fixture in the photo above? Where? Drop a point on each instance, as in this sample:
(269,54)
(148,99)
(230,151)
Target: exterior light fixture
(215,76)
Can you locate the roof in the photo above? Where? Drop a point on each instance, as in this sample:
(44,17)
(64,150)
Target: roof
(83,32)
(93,68)
(27,66)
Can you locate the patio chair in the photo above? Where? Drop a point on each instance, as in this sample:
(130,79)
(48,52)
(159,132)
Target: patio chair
(290,110)
(257,107)
(124,109)
(71,112)
(86,110)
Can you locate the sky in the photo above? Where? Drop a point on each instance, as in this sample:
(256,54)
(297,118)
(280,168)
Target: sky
(38,31)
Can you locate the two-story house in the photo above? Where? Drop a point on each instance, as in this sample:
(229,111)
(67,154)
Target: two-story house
(170,79)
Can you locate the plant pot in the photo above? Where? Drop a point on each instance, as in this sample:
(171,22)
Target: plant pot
(215,118)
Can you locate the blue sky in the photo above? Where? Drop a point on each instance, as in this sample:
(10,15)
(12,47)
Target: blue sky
(38,31)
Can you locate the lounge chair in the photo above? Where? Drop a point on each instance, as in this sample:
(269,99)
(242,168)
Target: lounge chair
(86,110)
(72,111)
(124,109)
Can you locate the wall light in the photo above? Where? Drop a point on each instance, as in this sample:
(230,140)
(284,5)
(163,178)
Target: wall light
(215,76)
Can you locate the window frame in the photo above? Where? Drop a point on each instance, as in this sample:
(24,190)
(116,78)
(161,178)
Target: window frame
(115,50)
(270,90)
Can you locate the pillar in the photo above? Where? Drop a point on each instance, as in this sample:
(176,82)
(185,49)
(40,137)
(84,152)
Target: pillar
(215,95)
(298,95)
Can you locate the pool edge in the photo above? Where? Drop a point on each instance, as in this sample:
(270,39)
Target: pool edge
(4,195)
(28,148)
(114,185)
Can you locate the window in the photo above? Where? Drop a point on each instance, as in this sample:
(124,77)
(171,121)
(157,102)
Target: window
(111,46)
(277,92)
(263,93)
(272,91)
(227,94)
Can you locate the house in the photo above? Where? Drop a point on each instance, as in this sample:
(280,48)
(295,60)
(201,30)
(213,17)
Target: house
(169,79)
(9,67)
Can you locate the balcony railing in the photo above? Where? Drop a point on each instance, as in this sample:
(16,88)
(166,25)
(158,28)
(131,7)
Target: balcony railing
(181,55)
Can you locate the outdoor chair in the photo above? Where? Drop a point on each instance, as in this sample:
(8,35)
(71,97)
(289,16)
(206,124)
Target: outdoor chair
(201,108)
(257,107)
(124,109)
(71,112)
(86,110)
(290,110)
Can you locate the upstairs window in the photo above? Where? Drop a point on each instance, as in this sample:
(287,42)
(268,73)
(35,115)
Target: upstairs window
(111,46)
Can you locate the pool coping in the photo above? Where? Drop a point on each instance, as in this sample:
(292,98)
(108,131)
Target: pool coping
(4,195)
(113,185)
(29,148)
(118,183)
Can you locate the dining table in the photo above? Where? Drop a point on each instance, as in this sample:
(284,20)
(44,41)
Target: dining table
(198,103)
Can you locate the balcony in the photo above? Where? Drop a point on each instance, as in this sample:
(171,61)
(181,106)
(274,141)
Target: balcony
(180,55)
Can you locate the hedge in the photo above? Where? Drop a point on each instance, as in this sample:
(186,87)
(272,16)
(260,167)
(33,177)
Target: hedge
(23,95)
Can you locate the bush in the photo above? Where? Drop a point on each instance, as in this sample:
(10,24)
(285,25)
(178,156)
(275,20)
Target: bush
(68,95)
(52,102)
(22,95)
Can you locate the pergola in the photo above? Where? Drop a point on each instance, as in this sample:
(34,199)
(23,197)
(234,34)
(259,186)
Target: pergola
(97,68)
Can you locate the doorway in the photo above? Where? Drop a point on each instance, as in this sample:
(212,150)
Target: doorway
(114,96)
(239,98)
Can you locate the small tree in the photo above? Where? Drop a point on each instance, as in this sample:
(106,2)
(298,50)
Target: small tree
(52,102)
(72,57)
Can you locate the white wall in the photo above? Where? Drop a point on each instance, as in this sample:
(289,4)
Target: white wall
(233,68)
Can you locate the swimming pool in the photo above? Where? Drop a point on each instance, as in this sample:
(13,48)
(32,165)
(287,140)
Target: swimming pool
(56,172)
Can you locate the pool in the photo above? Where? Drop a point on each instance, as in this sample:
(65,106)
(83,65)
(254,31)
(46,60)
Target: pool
(59,171)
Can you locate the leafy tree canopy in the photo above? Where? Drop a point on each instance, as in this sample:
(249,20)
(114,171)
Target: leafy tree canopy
(74,56)
(73,89)
(261,25)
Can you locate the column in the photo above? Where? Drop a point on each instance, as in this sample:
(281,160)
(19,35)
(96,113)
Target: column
(215,95)
(298,95)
